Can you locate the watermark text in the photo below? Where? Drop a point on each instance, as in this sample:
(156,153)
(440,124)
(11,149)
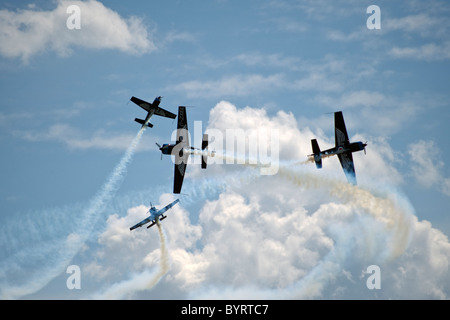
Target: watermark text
(73,22)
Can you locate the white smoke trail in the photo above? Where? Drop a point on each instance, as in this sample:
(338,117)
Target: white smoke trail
(388,209)
(385,206)
(111,185)
(164,262)
(143,281)
(55,261)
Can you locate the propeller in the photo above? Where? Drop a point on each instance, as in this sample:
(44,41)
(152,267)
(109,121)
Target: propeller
(365,144)
(159,146)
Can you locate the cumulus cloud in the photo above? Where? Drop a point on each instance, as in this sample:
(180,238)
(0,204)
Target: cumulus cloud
(226,117)
(427,165)
(302,233)
(25,33)
(314,237)
(423,271)
(253,243)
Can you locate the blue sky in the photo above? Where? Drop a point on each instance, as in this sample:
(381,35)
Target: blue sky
(66,123)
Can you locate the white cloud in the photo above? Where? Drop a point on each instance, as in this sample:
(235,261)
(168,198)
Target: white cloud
(28,32)
(235,85)
(428,25)
(318,82)
(289,25)
(284,73)
(423,271)
(225,116)
(428,52)
(174,36)
(270,60)
(337,35)
(427,165)
(362,98)
(381,113)
(312,238)
(424,24)
(446,186)
(75,139)
(254,243)
(320,9)
(303,233)
(294,142)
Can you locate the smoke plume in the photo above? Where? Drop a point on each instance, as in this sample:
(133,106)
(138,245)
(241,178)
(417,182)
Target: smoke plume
(143,281)
(56,255)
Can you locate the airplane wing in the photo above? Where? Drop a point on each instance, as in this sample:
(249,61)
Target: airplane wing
(140,224)
(161,211)
(147,106)
(347,164)
(164,113)
(181,157)
(141,103)
(182,126)
(179,171)
(340,132)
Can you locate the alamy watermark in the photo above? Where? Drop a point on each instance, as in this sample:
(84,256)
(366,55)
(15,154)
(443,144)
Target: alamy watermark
(74,280)
(374,280)
(374,21)
(257,147)
(73,22)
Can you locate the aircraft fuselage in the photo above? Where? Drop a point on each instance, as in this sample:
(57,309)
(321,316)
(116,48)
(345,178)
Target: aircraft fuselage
(351,147)
(150,113)
(157,101)
(155,216)
(147,118)
(167,148)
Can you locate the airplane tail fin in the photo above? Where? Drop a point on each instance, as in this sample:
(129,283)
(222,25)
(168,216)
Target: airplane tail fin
(143,122)
(316,152)
(204,147)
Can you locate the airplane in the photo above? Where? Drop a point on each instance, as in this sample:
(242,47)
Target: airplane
(151,108)
(181,150)
(154,215)
(343,149)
